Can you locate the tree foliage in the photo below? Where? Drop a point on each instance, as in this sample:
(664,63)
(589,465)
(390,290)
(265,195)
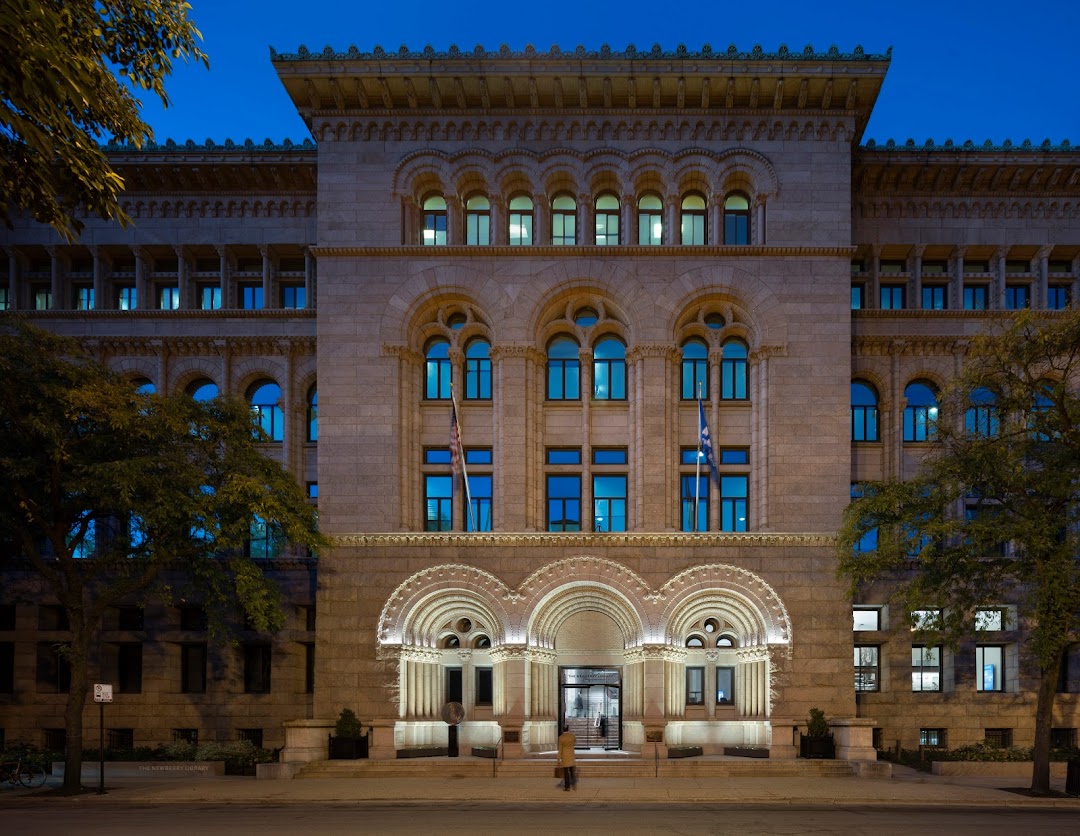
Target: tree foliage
(112,496)
(992,515)
(66,79)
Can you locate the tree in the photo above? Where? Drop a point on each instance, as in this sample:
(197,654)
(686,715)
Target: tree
(65,76)
(993,513)
(110,495)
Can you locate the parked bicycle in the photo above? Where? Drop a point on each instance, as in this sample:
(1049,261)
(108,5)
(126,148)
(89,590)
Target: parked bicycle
(17,772)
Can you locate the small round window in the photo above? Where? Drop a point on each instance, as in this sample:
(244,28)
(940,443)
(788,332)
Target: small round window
(464,625)
(714,321)
(711,625)
(586,317)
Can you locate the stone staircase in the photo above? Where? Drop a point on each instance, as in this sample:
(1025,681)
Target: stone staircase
(608,765)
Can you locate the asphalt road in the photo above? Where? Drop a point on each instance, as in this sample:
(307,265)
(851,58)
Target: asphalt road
(91,817)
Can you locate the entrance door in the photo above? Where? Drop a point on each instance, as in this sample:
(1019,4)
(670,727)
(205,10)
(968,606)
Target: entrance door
(591,707)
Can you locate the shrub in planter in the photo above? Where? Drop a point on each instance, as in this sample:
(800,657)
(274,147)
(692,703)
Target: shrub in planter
(348,741)
(817,742)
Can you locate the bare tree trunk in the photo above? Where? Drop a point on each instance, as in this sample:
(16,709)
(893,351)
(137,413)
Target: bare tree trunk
(78,660)
(1044,718)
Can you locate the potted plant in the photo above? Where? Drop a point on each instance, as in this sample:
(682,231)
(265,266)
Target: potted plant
(817,742)
(348,742)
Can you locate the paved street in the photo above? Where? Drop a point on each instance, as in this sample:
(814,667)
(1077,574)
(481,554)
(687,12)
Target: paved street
(110,818)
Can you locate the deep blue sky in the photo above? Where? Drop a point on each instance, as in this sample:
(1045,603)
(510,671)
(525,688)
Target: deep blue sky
(961,70)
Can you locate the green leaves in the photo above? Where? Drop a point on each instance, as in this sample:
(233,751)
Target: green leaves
(63,86)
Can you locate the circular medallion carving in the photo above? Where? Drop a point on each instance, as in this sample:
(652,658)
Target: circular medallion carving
(453,713)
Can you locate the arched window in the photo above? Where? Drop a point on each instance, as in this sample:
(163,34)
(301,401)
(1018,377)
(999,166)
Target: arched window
(920,414)
(726,640)
(521,221)
(313,414)
(695,370)
(143,386)
(1042,425)
(265,399)
(733,371)
(607,220)
(478,371)
(864,412)
(693,220)
(609,370)
(736,219)
(202,390)
(477,221)
(437,377)
(563,220)
(981,419)
(650,220)
(434,221)
(586,317)
(695,641)
(564,370)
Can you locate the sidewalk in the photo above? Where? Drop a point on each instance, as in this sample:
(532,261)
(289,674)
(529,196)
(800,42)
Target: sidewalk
(906,788)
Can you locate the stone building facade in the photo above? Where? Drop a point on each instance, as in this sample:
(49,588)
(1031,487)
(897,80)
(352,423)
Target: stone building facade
(549,272)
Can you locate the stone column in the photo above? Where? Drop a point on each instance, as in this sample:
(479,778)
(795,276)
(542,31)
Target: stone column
(541,219)
(586,223)
(854,738)
(894,432)
(958,278)
(454,235)
(997,265)
(916,276)
(291,412)
(1042,270)
(497,233)
(13,280)
(714,230)
(101,298)
(143,302)
(183,279)
(759,223)
(223,277)
(628,233)
(58,285)
(672,232)
(310,285)
(269,301)
(873,286)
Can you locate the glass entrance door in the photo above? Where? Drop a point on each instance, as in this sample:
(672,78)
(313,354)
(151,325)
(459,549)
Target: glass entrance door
(590,706)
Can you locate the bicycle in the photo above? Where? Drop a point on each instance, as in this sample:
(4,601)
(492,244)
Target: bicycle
(16,772)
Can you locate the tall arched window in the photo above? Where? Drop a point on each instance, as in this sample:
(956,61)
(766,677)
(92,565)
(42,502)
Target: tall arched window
(609,370)
(143,386)
(564,370)
(265,399)
(202,390)
(521,221)
(736,219)
(477,221)
(563,220)
(313,414)
(607,220)
(478,371)
(864,412)
(733,371)
(434,221)
(695,370)
(693,220)
(981,419)
(921,412)
(437,377)
(650,220)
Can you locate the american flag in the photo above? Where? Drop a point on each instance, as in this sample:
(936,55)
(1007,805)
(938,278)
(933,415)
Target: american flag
(455,441)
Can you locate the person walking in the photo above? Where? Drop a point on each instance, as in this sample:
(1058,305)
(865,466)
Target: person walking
(567,742)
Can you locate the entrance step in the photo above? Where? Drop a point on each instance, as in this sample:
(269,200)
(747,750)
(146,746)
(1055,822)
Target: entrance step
(604,766)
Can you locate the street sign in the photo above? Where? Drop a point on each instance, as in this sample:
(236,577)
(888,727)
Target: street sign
(102,693)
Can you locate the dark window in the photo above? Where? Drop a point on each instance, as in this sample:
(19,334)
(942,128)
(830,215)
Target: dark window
(454,692)
(7,667)
(563,455)
(55,740)
(981,418)
(609,370)
(53,669)
(934,297)
(438,498)
(736,219)
(293,297)
(725,686)
(1062,738)
(193,668)
(437,455)
(169,297)
(734,455)
(193,618)
(480,498)
(733,371)
(694,496)
(52,617)
(257,668)
(125,298)
(892,297)
(1058,297)
(7,616)
(975,297)
(129,664)
(186,736)
(864,412)
(265,399)
(209,297)
(1001,738)
(1017,296)
(265,540)
(252,736)
(521,221)
(120,739)
(251,297)
(313,414)
(563,221)
(609,455)
(858,292)
(129,618)
(867,668)
(563,370)
(695,686)
(563,503)
(485,691)
(309,668)
(478,371)
(438,371)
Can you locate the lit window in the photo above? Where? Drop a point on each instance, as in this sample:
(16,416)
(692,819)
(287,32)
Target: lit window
(563,370)
(867,668)
(478,371)
(477,221)
(609,370)
(695,370)
(437,376)
(733,502)
(733,371)
(169,298)
(695,686)
(725,685)
(607,220)
(438,496)
(265,401)
(693,220)
(609,503)
(864,412)
(251,297)
(650,220)
(434,221)
(84,300)
(125,298)
(921,412)
(564,220)
(989,668)
(210,297)
(866,618)
(932,737)
(988,620)
(736,219)
(521,221)
(925,668)
(293,297)
(926,619)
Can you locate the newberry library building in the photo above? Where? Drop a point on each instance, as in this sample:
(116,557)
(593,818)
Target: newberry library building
(487,314)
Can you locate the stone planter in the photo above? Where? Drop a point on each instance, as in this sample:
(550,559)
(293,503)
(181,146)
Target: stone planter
(683,752)
(484,751)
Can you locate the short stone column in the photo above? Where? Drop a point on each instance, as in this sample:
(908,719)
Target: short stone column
(306,740)
(854,738)
(782,739)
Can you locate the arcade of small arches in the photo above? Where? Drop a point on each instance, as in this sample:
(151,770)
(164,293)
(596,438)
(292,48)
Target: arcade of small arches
(584,642)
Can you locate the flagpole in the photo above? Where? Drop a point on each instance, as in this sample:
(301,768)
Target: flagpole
(697,477)
(464,471)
